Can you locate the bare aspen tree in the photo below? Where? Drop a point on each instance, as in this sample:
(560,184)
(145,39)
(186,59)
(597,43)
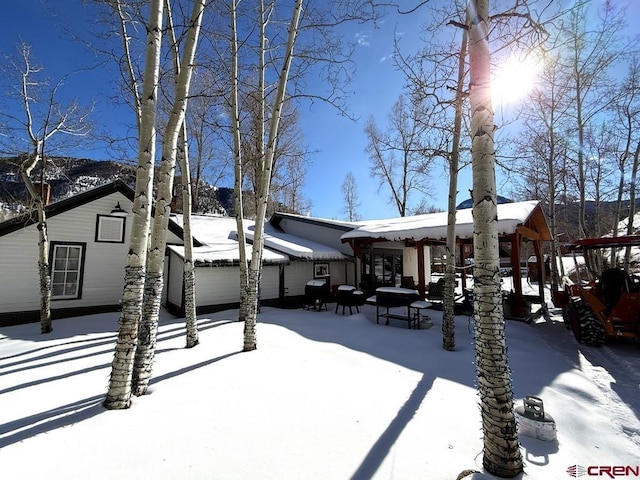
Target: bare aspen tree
(188,273)
(182,153)
(501,452)
(542,150)
(238,171)
(448,315)
(437,73)
(147,335)
(628,113)
(44,120)
(591,50)
(350,197)
(399,153)
(255,266)
(321,45)
(120,383)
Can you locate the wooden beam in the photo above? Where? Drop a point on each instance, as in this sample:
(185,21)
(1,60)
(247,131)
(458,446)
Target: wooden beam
(527,232)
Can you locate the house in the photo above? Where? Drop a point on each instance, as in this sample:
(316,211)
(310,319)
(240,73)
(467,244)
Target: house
(88,244)
(89,235)
(383,245)
(289,262)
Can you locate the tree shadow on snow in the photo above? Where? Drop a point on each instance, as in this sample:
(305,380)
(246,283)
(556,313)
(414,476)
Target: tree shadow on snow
(65,415)
(64,354)
(421,350)
(388,438)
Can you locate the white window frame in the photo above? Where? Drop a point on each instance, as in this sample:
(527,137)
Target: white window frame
(67,270)
(101,223)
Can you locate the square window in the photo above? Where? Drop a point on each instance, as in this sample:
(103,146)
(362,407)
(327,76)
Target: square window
(110,229)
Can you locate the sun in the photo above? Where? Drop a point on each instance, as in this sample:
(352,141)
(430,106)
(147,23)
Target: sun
(514,79)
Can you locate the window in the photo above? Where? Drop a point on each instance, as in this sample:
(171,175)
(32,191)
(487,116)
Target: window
(66,271)
(381,268)
(110,229)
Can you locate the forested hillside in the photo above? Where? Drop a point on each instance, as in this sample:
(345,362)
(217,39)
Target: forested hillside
(70,176)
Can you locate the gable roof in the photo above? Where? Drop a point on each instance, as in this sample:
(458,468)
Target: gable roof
(277,218)
(218,244)
(433,226)
(297,247)
(75,201)
(219,237)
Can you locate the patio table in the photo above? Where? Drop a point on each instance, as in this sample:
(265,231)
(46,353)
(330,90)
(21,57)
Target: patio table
(398,297)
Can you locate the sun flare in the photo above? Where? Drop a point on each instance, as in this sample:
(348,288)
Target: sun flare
(514,79)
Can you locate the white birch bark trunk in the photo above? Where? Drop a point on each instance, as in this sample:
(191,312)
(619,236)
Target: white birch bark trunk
(188,267)
(501,452)
(38,143)
(448,315)
(148,328)
(252,296)
(255,266)
(243,264)
(632,198)
(43,271)
(44,275)
(119,391)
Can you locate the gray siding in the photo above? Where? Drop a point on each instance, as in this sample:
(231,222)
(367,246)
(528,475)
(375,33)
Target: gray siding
(174,278)
(221,285)
(103,272)
(317,233)
(297,274)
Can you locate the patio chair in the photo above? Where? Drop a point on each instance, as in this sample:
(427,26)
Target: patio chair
(349,296)
(435,293)
(408,282)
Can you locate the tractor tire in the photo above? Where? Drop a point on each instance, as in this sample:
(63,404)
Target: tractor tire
(584,324)
(571,318)
(568,314)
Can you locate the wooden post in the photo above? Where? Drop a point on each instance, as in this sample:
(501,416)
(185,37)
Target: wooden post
(463,264)
(537,248)
(517,309)
(421,279)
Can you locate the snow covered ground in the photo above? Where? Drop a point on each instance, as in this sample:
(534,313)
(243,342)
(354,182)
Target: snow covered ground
(325,396)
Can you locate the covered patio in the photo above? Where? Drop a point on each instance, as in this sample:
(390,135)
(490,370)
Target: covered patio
(408,240)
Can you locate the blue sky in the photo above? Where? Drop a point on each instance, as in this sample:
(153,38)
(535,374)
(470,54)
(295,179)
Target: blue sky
(339,143)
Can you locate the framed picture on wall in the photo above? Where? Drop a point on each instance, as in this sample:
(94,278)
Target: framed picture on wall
(320,270)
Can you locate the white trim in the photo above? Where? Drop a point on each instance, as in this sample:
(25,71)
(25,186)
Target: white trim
(64,270)
(110,229)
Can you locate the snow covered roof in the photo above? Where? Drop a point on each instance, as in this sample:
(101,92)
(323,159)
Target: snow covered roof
(218,236)
(623,224)
(434,225)
(296,246)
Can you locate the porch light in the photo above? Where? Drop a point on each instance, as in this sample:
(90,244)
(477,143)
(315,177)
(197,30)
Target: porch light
(118,211)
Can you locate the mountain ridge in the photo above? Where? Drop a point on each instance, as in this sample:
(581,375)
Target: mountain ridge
(70,176)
